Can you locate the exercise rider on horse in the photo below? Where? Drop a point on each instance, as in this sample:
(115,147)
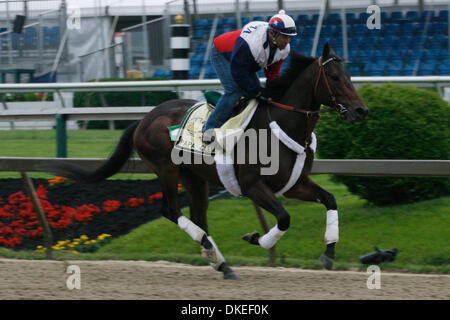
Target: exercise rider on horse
(238,55)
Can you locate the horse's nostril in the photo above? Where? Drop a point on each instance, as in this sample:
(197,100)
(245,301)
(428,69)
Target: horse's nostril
(362,111)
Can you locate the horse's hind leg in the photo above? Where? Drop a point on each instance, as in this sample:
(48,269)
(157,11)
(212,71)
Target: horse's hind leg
(309,191)
(168,176)
(197,191)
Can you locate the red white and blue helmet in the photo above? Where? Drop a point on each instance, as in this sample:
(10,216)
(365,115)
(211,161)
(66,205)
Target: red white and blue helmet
(283,24)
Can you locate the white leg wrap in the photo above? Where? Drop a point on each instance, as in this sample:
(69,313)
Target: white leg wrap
(191,228)
(332,230)
(217,258)
(268,240)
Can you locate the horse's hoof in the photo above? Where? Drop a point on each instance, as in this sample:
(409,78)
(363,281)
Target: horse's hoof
(326,261)
(252,237)
(231,276)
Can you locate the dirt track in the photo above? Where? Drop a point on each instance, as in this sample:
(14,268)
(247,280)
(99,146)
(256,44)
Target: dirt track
(34,279)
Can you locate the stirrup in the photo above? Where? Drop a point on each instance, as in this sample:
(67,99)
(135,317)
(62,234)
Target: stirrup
(209,136)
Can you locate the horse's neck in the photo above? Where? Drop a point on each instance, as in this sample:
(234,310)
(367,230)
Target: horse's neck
(300,95)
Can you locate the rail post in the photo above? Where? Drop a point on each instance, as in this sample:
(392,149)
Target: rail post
(61,136)
(48,238)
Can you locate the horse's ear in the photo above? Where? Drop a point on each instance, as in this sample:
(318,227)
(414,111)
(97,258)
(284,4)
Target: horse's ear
(327,50)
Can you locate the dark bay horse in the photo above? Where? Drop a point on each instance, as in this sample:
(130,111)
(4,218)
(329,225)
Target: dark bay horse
(299,93)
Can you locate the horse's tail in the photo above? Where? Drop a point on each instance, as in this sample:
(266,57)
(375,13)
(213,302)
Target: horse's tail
(120,156)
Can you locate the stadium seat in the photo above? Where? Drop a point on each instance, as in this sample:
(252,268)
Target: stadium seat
(245,20)
(396,16)
(314,19)
(412,16)
(200,24)
(302,19)
(194,72)
(409,28)
(427,14)
(197,59)
(210,73)
(198,34)
(363,16)
(229,22)
(354,71)
(161,73)
(394,69)
(308,31)
(350,17)
(201,47)
(443,16)
(443,69)
(334,19)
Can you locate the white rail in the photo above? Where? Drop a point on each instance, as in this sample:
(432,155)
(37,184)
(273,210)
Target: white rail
(181,85)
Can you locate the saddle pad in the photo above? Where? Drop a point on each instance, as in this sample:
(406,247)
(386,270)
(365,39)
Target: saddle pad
(230,132)
(188,134)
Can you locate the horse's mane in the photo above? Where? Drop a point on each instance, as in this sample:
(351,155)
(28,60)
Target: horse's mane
(276,88)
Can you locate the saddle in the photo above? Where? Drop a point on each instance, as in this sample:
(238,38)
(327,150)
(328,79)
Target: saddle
(212,97)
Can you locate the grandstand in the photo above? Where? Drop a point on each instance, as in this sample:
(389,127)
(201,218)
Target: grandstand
(408,43)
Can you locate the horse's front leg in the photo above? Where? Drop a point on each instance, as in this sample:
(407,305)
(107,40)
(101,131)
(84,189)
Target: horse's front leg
(265,198)
(307,190)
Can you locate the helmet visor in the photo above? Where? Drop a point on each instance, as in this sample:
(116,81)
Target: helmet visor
(291,31)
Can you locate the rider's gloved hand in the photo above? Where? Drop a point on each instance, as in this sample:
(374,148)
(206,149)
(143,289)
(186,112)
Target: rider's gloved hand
(259,94)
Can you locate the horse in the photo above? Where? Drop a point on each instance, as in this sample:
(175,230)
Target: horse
(297,97)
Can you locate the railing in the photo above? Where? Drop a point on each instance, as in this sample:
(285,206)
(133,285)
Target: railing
(356,167)
(437,82)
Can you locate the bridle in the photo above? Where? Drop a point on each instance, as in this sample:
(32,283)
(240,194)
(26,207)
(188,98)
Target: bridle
(313,116)
(337,106)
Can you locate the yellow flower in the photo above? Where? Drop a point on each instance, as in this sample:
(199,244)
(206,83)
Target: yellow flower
(84,237)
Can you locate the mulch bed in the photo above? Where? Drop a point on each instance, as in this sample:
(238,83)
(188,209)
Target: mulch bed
(115,223)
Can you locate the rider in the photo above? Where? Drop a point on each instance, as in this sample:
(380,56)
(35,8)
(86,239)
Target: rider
(238,55)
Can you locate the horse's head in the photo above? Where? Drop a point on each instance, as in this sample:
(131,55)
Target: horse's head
(333,87)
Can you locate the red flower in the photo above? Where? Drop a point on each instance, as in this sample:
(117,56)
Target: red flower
(134,202)
(85,212)
(155,197)
(111,205)
(41,192)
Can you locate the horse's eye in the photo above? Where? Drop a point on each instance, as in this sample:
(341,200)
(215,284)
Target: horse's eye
(335,78)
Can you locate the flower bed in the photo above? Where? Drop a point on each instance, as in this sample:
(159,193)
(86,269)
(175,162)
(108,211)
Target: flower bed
(111,207)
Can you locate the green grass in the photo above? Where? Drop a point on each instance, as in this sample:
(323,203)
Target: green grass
(419,230)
